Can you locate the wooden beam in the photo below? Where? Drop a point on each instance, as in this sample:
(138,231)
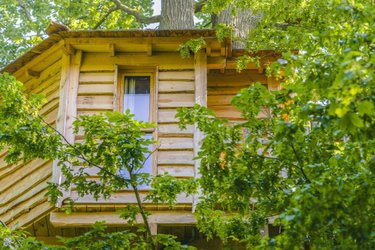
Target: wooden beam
(112,49)
(32,73)
(68,50)
(67,103)
(168,61)
(149,49)
(86,219)
(201,99)
(40,58)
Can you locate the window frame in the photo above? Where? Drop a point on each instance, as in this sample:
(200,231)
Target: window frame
(119,106)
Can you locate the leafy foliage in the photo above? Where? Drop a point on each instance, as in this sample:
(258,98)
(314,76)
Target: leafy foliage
(310,164)
(23,21)
(114,145)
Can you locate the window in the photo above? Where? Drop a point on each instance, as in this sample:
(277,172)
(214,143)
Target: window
(136,93)
(137,96)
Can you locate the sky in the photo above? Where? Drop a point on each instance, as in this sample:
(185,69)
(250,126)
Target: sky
(157,8)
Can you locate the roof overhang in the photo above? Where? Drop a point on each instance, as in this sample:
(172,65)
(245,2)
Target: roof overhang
(118,41)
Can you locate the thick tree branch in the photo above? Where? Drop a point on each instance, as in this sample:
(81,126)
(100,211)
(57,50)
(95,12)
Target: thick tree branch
(104,18)
(199,5)
(138,16)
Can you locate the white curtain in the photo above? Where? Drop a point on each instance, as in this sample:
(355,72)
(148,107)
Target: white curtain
(129,95)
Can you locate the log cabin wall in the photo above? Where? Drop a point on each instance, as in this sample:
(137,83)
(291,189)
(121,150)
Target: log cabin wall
(23,186)
(223,86)
(175,87)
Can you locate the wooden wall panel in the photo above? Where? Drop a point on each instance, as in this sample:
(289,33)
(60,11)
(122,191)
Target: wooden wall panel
(222,87)
(23,186)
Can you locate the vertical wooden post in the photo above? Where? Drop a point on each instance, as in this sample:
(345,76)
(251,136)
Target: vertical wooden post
(67,111)
(200,69)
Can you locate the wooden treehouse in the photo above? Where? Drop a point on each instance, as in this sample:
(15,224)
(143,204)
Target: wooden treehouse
(87,72)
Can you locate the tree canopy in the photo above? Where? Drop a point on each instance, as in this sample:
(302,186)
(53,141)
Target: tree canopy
(309,167)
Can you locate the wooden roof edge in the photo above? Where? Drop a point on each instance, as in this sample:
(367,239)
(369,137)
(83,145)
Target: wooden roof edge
(58,33)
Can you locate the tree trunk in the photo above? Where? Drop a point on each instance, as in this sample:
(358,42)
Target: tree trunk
(243,23)
(177,14)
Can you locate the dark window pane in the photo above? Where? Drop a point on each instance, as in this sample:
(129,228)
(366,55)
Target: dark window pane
(137,96)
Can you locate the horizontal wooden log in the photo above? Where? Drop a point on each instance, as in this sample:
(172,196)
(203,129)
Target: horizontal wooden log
(103,62)
(17,173)
(25,207)
(34,214)
(233,78)
(175,157)
(95,102)
(51,116)
(227,112)
(232,113)
(167,116)
(91,112)
(176,100)
(97,77)
(167,130)
(23,198)
(176,75)
(176,86)
(60,219)
(48,107)
(95,89)
(36,83)
(23,185)
(177,171)
(124,197)
(175,143)
(219,100)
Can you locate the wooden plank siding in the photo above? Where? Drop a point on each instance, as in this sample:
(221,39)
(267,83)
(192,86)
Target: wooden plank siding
(175,155)
(222,87)
(175,86)
(23,186)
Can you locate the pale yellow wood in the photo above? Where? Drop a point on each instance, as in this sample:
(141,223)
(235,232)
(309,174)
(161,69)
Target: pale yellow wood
(95,89)
(115,90)
(104,102)
(48,107)
(102,62)
(59,219)
(232,78)
(166,130)
(35,178)
(176,157)
(219,100)
(177,171)
(175,100)
(16,172)
(167,115)
(47,76)
(68,50)
(42,61)
(25,206)
(201,99)
(89,112)
(149,49)
(96,77)
(176,75)
(23,198)
(122,198)
(175,143)
(32,215)
(176,86)
(112,49)
(51,116)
